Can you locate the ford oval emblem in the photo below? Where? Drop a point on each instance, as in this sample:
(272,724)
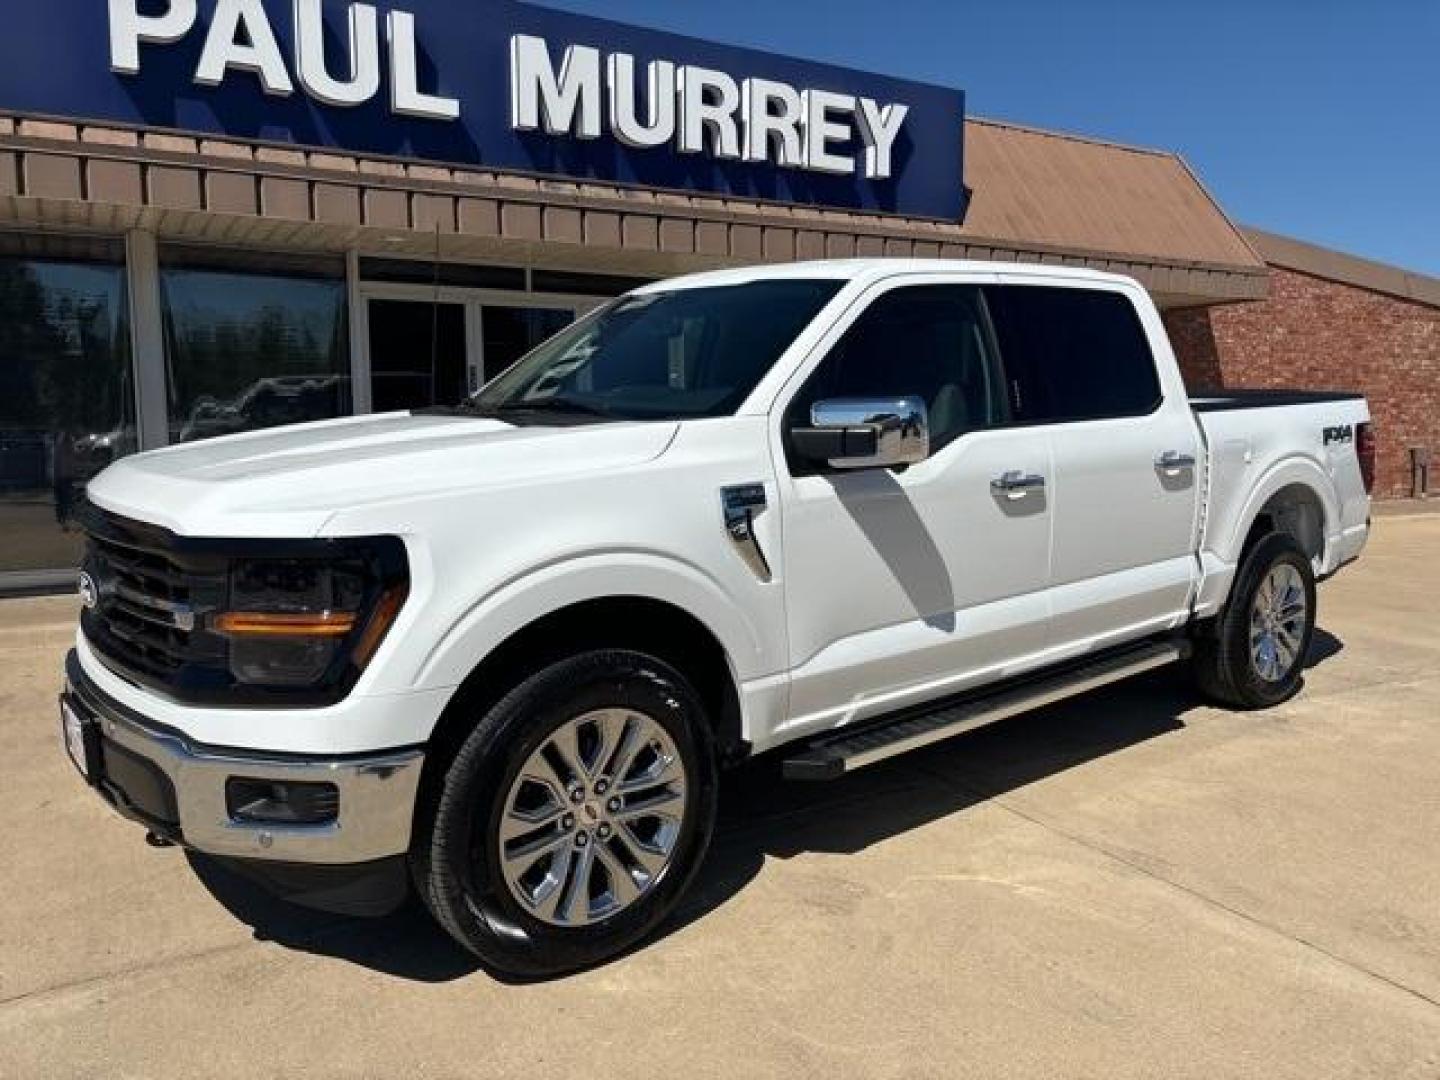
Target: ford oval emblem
(89,592)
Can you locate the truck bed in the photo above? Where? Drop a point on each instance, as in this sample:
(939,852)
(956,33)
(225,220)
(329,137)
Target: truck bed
(1227,400)
(1304,438)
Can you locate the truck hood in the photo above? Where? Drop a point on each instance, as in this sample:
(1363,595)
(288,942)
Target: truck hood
(288,482)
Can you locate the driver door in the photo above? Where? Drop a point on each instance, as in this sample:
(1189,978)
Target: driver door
(906,584)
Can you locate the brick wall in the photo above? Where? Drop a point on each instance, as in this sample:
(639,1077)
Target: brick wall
(1315,334)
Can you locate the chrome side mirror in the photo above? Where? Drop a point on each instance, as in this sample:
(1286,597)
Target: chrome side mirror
(866,433)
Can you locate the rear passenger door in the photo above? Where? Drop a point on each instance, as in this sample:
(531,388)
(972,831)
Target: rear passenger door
(1126,454)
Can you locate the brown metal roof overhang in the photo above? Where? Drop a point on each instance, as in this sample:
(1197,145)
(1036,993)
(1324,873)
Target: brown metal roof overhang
(1337,266)
(1037,197)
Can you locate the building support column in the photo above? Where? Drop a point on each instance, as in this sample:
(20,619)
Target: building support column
(147,340)
(361,401)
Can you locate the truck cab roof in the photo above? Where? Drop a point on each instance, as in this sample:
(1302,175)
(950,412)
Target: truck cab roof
(878,269)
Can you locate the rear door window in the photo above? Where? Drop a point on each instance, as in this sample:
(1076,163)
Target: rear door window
(1072,354)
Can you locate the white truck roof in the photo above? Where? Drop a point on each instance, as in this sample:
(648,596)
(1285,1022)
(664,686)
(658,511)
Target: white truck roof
(876,269)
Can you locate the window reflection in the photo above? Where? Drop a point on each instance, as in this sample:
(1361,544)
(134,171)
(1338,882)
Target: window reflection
(248,350)
(66,398)
(511,332)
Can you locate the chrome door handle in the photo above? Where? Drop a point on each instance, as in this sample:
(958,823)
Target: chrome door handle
(1016,484)
(1172,461)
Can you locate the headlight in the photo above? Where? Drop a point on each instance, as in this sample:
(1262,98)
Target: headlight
(300,623)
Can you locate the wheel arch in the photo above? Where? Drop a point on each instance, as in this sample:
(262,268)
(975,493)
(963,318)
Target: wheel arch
(1294,498)
(643,624)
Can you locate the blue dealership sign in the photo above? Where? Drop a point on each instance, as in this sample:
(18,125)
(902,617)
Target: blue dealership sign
(498,84)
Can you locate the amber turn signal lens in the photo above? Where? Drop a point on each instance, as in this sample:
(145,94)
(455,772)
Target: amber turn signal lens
(379,625)
(328,624)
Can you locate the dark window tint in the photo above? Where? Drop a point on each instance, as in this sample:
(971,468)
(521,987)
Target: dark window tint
(1073,354)
(458,275)
(929,341)
(417,355)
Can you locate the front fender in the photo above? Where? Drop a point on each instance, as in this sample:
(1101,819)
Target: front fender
(594,576)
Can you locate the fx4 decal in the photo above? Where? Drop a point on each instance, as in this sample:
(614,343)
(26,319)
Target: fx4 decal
(1343,433)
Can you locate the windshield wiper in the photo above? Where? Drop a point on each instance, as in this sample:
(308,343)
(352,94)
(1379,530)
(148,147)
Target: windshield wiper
(553,405)
(522,413)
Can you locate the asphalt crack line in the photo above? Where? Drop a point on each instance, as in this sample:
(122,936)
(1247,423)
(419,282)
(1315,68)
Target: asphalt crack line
(1204,898)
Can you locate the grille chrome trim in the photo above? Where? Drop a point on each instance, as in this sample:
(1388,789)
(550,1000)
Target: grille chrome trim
(178,616)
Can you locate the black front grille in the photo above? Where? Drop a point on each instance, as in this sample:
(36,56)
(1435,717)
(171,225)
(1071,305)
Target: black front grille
(148,620)
(145,605)
(153,598)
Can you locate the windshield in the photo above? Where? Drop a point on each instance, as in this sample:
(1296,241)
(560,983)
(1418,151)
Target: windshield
(677,355)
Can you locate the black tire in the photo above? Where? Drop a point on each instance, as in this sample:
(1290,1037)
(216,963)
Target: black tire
(456,861)
(1224,666)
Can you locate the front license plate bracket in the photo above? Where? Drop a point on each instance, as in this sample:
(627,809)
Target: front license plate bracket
(80,735)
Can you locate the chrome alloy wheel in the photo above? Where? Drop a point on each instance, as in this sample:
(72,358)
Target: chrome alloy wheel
(591,822)
(1277,623)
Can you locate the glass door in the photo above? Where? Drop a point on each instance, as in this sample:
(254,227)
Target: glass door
(508,333)
(419,354)
(426,347)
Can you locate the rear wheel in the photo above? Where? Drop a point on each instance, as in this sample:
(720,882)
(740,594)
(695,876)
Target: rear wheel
(573,817)
(1254,655)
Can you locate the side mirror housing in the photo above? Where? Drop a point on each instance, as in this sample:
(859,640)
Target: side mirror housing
(865,433)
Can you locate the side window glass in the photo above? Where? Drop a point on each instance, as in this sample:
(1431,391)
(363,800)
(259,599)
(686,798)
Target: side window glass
(1072,354)
(927,341)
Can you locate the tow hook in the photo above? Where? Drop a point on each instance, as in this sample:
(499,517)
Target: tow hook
(155,840)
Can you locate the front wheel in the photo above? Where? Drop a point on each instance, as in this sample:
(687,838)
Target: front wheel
(573,817)
(1254,654)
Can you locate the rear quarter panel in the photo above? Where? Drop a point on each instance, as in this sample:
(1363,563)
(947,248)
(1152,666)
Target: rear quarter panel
(1256,452)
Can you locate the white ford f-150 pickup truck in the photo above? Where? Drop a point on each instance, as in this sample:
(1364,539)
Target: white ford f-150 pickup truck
(838,511)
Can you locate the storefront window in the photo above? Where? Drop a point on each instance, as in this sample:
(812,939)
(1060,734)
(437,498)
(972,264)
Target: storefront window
(252,341)
(67,405)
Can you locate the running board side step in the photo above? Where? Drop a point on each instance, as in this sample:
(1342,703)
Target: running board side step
(833,756)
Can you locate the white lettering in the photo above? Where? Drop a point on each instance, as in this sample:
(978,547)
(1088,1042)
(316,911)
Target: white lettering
(696,109)
(310,68)
(879,127)
(541,100)
(405,95)
(258,52)
(128,28)
(821,131)
(773,114)
(624,120)
(708,102)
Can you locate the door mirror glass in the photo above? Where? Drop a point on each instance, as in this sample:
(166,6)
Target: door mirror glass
(865,433)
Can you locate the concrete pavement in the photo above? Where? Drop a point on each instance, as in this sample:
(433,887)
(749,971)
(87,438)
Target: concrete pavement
(1131,884)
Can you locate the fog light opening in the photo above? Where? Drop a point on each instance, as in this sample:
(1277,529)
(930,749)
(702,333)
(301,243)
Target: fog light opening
(281,802)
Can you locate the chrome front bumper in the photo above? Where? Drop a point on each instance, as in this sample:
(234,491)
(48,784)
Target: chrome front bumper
(376,793)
